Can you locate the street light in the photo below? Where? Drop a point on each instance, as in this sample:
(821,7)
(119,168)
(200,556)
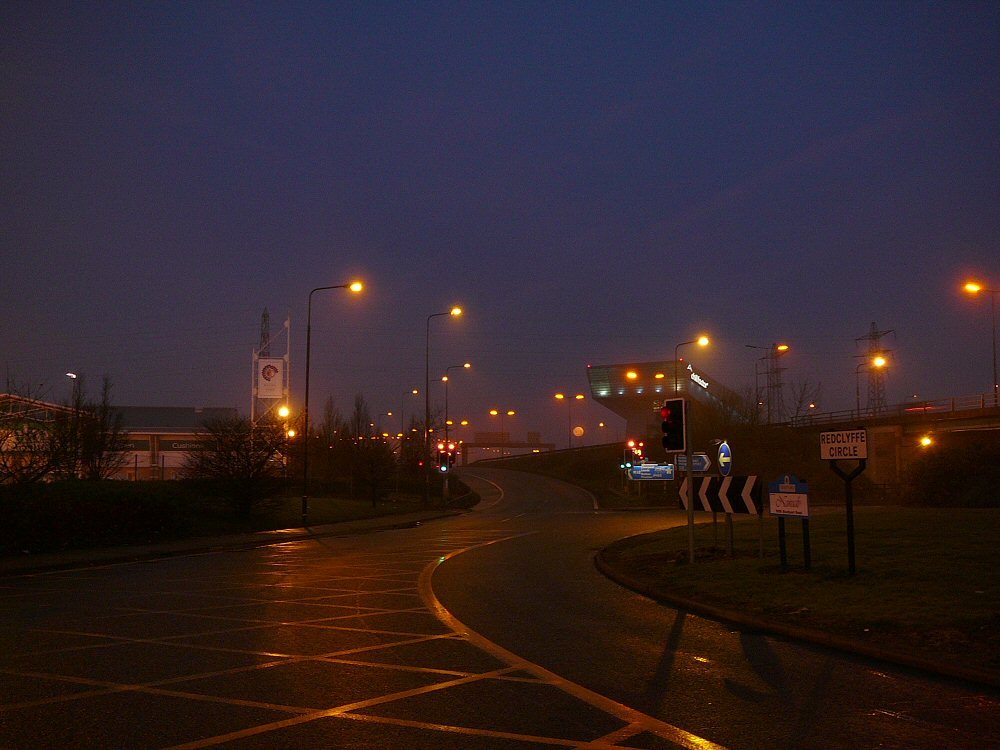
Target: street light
(402,403)
(700,341)
(569,410)
(500,413)
(688,450)
(73,389)
(453,312)
(973,287)
(878,362)
(354,286)
(773,382)
(445,379)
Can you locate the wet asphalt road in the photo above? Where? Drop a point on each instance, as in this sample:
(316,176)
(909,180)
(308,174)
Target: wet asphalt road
(489,630)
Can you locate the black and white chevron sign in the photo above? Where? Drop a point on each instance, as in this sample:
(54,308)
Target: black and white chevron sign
(724,494)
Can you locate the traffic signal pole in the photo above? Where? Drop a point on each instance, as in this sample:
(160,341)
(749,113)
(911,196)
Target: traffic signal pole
(689,453)
(677,440)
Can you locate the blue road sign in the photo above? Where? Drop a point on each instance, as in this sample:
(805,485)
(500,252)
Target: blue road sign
(725,459)
(651,471)
(700,461)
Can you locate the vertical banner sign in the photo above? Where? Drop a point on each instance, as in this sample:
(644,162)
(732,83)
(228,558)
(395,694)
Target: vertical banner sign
(270,377)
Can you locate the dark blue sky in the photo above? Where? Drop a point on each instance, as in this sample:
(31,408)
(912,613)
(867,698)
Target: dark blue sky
(593,182)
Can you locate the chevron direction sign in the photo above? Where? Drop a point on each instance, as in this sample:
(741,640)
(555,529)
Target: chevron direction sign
(724,495)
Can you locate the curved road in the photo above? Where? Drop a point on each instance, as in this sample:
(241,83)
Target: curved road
(540,596)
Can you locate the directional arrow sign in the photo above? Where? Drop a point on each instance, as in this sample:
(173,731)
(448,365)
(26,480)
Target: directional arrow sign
(725,459)
(701,461)
(651,471)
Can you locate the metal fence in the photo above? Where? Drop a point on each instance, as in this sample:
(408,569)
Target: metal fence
(942,406)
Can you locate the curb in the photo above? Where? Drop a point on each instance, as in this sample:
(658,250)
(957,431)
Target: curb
(54,561)
(805,635)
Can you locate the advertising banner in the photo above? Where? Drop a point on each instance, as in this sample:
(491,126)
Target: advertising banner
(270,377)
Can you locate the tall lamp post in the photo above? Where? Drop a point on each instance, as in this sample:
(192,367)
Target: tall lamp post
(877,362)
(402,404)
(569,410)
(973,287)
(500,413)
(773,379)
(454,312)
(354,286)
(688,449)
(446,379)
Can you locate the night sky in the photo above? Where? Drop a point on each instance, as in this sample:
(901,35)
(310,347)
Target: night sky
(592,182)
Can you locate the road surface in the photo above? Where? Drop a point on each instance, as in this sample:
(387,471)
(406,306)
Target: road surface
(488,630)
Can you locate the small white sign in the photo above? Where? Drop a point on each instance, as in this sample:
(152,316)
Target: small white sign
(843,444)
(789,504)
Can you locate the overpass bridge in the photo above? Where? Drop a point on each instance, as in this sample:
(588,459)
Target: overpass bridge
(895,434)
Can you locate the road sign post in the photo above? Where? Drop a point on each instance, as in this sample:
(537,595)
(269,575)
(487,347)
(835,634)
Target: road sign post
(788,497)
(846,444)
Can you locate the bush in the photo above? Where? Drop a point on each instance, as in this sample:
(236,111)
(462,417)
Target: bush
(74,513)
(961,471)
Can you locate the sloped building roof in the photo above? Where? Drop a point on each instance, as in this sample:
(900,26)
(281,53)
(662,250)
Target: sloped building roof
(171,418)
(165,419)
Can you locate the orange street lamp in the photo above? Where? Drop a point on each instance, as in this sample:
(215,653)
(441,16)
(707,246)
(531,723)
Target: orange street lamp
(689,450)
(974,287)
(445,379)
(500,413)
(354,286)
(700,341)
(454,312)
(772,381)
(569,410)
(877,362)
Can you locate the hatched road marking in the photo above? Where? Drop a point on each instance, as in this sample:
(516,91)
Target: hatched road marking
(284,645)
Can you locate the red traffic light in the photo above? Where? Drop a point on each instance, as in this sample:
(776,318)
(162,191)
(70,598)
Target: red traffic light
(672,413)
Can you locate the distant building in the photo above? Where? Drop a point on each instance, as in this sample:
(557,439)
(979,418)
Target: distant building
(161,436)
(158,436)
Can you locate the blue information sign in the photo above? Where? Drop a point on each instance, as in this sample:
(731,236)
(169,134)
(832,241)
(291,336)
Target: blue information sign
(651,471)
(700,461)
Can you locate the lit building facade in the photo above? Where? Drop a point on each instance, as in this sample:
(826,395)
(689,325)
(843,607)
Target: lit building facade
(636,390)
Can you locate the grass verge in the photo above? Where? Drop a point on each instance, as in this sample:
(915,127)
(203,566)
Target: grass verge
(926,579)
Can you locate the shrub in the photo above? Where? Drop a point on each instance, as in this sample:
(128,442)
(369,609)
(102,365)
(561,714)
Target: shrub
(75,513)
(961,471)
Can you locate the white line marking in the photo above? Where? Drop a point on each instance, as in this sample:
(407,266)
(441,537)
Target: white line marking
(629,715)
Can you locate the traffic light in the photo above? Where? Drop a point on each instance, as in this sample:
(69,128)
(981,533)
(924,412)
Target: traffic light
(672,413)
(446,456)
(628,455)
